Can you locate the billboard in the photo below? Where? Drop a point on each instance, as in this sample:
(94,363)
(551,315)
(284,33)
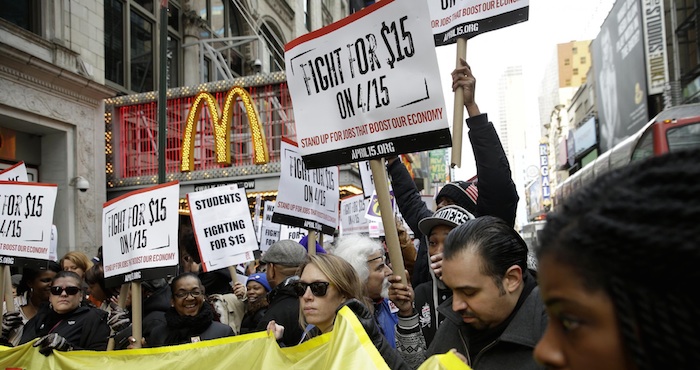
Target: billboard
(620,74)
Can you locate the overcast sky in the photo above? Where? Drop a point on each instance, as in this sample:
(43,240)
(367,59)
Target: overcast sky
(530,44)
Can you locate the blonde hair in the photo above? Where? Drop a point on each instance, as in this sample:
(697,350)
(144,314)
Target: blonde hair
(340,274)
(79,259)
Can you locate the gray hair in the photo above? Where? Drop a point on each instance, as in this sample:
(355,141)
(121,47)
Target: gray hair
(356,249)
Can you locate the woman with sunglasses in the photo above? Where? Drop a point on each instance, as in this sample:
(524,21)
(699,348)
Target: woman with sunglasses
(326,284)
(32,293)
(64,324)
(190,318)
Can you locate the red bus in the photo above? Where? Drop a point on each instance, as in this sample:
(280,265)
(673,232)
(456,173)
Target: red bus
(674,129)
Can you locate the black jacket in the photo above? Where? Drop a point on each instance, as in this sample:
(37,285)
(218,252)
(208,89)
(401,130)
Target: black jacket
(84,328)
(215,330)
(284,309)
(154,308)
(497,194)
(251,319)
(513,348)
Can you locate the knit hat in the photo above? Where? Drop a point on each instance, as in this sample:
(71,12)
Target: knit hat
(451,216)
(463,193)
(285,252)
(259,278)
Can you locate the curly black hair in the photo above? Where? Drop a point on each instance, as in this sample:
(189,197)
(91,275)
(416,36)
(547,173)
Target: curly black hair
(634,233)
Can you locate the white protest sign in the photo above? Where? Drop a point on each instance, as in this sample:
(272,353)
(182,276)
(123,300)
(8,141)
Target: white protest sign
(26,216)
(306,198)
(140,234)
(352,215)
(270,233)
(452,19)
(53,248)
(222,226)
(17,172)
(292,232)
(367,86)
(367,178)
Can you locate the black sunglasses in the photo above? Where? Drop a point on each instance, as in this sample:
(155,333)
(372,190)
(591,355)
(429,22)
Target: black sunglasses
(318,289)
(70,290)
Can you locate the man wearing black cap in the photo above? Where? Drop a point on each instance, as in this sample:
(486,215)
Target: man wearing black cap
(282,259)
(493,194)
(418,318)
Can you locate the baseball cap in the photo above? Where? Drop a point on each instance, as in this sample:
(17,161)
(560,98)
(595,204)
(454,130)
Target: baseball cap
(285,252)
(451,215)
(462,193)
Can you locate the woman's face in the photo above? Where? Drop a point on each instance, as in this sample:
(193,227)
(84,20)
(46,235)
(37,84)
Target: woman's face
(41,286)
(188,297)
(582,332)
(68,265)
(65,302)
(319,311)
(255,291)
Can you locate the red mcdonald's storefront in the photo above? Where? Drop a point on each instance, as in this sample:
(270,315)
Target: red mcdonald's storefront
(197,153)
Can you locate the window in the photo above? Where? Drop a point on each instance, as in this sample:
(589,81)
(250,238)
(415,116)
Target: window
(307,14)
(583,60)
(275,46)
(114,41)
(575,72)
(574,50)
(141,53)
(567,82)
(130,45)
(567,62)
(23,13)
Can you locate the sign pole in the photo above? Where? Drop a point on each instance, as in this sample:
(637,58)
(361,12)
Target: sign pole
(458,114)
(7,284)
(392,237)
(311,243)
(162,89)
(136,312)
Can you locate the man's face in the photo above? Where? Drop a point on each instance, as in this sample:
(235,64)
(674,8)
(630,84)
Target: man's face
(476,297)
(437,237)
(377,282)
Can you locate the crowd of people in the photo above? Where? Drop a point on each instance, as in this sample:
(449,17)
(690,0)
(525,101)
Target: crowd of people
(613,289)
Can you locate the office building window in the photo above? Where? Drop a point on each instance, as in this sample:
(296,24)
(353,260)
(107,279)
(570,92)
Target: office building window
(23,13)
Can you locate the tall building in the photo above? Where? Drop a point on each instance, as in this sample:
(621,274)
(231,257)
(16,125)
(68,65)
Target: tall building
(566,71)
(513,129)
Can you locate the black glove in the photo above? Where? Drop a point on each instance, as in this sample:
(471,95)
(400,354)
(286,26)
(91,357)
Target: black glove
(117,319)
(52,341)
(10,321)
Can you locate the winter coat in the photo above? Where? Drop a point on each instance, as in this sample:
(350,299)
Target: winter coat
(497,194)
(284,309)
(513,348)
(83,328)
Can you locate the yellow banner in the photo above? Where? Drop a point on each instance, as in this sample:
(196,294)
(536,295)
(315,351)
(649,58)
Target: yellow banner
(346,347)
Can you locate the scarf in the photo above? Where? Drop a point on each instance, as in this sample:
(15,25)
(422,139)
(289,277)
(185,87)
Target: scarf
(183,328)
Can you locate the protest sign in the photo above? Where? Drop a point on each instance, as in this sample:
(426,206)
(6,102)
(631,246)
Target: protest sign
(270,232)
(367,86)
(453,19)
(17,172)
(292,232)
(140,234)
(352,215)
(373,212)
(222,226)
(307,198)
(367,178)
(26,217)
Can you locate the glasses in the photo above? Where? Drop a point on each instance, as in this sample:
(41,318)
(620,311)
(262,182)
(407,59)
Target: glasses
(70,290)
(318,289)
(194,294)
